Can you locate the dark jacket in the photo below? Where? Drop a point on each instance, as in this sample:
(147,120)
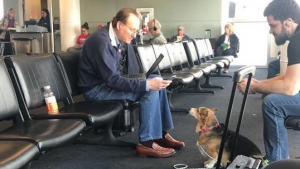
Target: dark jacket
(100,64)
(44,22)
(234,42)
(184,38)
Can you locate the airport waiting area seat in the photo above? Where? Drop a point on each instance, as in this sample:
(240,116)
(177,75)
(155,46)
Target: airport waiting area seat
(148,55)
(292,122)
(7,48)
(27,138)
(194,60)
(31,73)
(287,163)
(17,153)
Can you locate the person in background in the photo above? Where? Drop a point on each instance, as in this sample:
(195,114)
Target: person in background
(6,23)
(99,26)
(101,67)
(81,38)
(227,44)
(283,97)
(274,67)
(45,19)
(154,28)
(181,36)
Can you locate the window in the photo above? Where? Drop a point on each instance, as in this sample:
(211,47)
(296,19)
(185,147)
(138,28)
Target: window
(252,29)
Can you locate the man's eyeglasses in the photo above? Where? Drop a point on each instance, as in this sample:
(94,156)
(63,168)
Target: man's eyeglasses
(132,30)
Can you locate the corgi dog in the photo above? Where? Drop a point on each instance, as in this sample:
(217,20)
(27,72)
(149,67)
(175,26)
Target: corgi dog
(210,136)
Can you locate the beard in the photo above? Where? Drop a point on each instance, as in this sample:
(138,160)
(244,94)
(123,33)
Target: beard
(281,38)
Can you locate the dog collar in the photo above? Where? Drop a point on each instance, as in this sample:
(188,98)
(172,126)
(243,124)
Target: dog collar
(205,130)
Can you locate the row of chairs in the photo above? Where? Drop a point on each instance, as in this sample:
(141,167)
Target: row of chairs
(21,89)
(188,62)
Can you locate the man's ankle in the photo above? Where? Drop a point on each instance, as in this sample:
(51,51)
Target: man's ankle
(147,143)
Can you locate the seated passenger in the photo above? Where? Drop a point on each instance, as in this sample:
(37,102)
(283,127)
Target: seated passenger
(45,19)
(283,99)
(181,36)
(154,28)
(100,78)
(227,44)
(81,38)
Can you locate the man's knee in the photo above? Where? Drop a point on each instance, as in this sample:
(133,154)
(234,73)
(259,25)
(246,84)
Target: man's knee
(150,95)
(269,100)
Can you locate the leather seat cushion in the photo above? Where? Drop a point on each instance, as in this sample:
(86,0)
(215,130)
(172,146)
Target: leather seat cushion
(195,72)
(15,154)
(47,134)
(181,78)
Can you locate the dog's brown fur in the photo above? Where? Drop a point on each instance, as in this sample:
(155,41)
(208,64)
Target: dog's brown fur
(211,139)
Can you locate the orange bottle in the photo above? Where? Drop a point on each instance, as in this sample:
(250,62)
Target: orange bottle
(50,100)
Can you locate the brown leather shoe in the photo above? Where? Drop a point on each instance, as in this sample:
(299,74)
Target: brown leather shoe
(170,142)
(155,151)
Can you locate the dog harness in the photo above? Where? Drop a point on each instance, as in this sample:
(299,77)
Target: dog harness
(205,130)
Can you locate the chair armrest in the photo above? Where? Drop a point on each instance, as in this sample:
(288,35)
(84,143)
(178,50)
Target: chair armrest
(292,122)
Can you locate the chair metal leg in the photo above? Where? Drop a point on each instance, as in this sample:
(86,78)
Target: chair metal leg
(107,139)
(175,109)
(207,84)
(220,74)
(196,89)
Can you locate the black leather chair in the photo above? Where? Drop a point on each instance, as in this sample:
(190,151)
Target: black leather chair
(288,163)
(30,74)
(69,63)
(7,48)
(44,134)
(292,122)
(226,59)
(195,63)
(147,57)
(166,64)
(17,154)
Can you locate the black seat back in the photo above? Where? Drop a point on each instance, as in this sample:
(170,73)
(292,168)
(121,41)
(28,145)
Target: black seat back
(69,63)
(8,101)
(177,53)
(161,49)
(192,53)
(146,56)
(34,72)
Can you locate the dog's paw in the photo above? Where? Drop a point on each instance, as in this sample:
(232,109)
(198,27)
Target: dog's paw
(209,163)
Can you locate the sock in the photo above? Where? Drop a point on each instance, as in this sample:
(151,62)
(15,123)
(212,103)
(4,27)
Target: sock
(164,133)
(147,143)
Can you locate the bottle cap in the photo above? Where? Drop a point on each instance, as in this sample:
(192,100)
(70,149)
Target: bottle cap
(47,87)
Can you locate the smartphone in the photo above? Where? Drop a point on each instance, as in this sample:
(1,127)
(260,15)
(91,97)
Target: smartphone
(170,77)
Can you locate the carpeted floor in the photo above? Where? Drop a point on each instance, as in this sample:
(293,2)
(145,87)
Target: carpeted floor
(77,156)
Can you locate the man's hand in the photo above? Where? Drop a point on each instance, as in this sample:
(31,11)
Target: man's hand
(242,85)
(158,83)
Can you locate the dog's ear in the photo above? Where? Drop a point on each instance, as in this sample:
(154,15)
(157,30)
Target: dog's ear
(215,109)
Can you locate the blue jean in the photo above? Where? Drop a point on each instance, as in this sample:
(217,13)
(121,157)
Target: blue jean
(154,116)
(275,108)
